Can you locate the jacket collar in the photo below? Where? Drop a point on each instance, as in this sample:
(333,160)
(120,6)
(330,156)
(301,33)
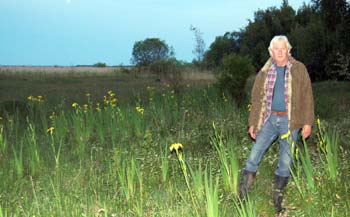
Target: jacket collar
(270,61)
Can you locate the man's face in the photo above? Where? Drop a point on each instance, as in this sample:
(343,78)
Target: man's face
(280,53)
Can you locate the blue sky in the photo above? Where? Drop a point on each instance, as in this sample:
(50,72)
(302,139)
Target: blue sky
(73,32)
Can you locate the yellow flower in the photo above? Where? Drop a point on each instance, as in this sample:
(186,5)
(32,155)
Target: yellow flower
(85,107)
(52,116)
(110,93)
(176,147)
(140,110)
(286,135)
(318,121)
(224,97)
(30,98)
(249,107)
(40,97)
(50,130)
(74,105)
(88,94)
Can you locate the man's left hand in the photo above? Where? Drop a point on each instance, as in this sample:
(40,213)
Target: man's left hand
(306,131)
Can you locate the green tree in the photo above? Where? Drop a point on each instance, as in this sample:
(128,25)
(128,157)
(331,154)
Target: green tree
(286,17)
(309,46)
(222,46)
(337,66)
(255,39)
(149,51)
(304,14)
(333,13)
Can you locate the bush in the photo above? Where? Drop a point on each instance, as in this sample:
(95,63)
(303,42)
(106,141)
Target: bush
(337,66)
(169,71)
(99,64)
(233,74)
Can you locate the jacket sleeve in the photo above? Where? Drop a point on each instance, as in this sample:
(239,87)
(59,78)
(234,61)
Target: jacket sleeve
(308,103)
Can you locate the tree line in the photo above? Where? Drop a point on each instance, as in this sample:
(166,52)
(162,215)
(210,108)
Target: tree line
(319,33)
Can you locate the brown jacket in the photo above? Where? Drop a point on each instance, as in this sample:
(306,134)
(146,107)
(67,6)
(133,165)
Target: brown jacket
(300,105)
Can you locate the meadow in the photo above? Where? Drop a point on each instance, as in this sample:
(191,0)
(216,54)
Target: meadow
(127,144)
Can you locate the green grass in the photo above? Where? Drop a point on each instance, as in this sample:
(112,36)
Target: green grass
(116,161)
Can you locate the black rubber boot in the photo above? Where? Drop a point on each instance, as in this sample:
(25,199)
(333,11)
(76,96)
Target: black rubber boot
(278,192)
(246,183)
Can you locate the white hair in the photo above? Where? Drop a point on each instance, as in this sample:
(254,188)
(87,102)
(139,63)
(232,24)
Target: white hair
(279,38)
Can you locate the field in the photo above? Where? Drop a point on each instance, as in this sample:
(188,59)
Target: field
(126,143)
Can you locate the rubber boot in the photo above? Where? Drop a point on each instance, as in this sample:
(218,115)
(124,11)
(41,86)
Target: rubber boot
(246,183)
(278,192)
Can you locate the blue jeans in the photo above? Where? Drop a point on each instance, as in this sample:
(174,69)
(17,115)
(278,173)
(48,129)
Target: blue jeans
(274,127)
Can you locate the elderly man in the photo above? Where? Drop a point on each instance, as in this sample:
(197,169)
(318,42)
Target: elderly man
(282,104)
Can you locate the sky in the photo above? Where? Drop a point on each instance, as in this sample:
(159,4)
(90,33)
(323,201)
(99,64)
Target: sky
(84,32)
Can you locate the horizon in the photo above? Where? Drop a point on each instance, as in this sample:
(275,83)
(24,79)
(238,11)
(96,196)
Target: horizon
(78,32)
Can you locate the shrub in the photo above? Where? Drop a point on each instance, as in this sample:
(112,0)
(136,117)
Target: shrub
(233,74)
(337,66)
(169,71)
(99,64)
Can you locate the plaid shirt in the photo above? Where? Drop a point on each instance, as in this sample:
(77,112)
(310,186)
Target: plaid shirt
(271,79)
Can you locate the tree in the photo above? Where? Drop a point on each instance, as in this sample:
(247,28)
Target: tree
(286,16)
(222,46)
(304,15)
(337,66)
(333,13)
(234,72)
(149,51)
(199,47)
(309,46)
(255,38)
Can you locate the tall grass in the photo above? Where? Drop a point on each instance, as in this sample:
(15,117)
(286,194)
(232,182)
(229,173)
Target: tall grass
(111,158)
(229,164)
(328,146)
(307,166)
(212,195)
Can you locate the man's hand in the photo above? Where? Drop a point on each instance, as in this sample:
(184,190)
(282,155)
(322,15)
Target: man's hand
(251,132)
(306,131)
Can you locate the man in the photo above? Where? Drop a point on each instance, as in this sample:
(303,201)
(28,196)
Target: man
(282,104)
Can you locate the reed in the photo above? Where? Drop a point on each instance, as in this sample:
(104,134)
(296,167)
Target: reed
(211,194)
(328,146)
(229,164)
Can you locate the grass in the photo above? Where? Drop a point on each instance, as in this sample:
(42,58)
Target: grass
(106,157)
